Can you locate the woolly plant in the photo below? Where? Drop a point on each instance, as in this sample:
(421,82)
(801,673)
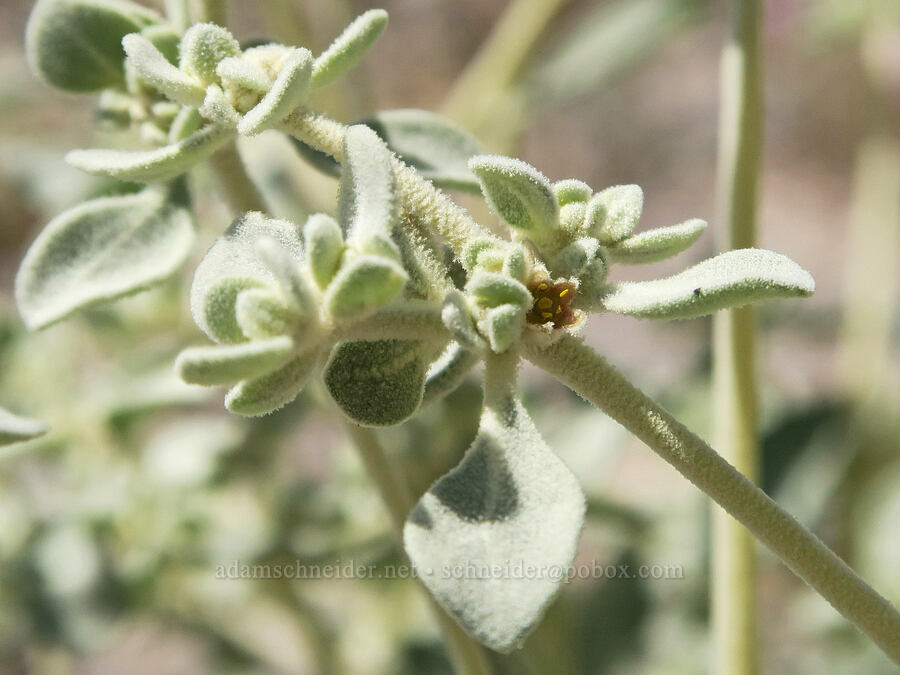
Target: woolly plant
(397,295)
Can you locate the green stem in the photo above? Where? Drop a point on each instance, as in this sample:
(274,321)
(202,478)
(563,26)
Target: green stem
(238,190)
(494,68)
(212,11)
(468,656)
(734,339)
(417,195)
(592,377)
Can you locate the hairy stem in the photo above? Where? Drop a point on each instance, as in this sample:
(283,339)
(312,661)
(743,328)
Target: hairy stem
(498,61)
(468,656)
(238,190)
(592,377)
(734,340)
(417,195)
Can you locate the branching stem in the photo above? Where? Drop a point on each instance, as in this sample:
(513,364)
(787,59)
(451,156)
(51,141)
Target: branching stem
(588,374)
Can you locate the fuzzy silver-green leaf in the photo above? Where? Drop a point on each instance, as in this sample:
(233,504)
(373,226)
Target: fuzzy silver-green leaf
(520,194)
(149,166)
(657,244)
(203,47)
(349,47)
(226,364)
(365,284)
(324,247)
(731,279)
(613,213)
(101,250)
(156,70)
(14,428)
(286,93)
(267,393)
(367,203)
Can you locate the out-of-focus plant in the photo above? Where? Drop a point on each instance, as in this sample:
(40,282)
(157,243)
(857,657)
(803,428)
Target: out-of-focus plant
(393,301)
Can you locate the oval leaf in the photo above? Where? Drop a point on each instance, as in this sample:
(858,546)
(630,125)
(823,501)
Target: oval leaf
(230,266)
(324,247)
(510,504)
(349,47)
(377,383)
(226,364)
(203,47)
(517,192)
(285,94)
(657,244)
(14,428)
(76,45)
(149,166)
(731,279)
(364,285)
(433,145)
(613,213)
(101,250)
(267,393)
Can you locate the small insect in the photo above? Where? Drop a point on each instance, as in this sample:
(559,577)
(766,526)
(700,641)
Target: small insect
(697,291)
(551,303)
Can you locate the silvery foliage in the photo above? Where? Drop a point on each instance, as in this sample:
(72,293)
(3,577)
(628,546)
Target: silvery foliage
(363,300)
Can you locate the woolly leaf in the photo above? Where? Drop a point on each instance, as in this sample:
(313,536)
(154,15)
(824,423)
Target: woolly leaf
(377,383)
(286,270)
(231,266)
(156,70)
(149,166)
(457,318)
(491,289)
(657,244)
(226,364)
(572,260)
(76,45)
(263,314)
(237,71)
(267,393)
(571,190)
(613,213)
(364,285)
(572,217)
(367,204)
(349,47)
(14,428)
(217,108)
(503,326)
(101,250)
(433,145)
(324,247)
(186,122)
(285,94)
(449,371)
(203,47)
(510,504)
(731,279)
(165,38)
(517,192)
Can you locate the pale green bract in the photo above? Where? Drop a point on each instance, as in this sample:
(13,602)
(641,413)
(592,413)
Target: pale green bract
(731,279)
(517,192)
(101,250)
(657,244)
(226,364)
(286,93)
(15,428)
(367,203)
(157,71)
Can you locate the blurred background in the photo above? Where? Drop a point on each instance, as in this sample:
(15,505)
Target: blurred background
(112,526)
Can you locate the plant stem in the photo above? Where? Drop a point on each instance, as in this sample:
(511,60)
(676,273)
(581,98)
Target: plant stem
(490,73)
(212,11)
(734,340)
(592,377)
(238,190)
(418,196)
(468,657)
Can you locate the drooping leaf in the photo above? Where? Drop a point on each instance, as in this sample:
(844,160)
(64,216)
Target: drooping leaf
(286,93)
(286,269)
(457,317)
(510,505)
(267,393)
(377,383)
(217,108)
(226,364)
(571,190)
(657,244)
(502,325)
(261,314)
(492,289)
(433,145)
(367,204)
(76,45)
(364,285)
(203,47)
(157,71)
(101,250)
(14,428)
(517,192)
(728,280)
(613,213)
(231,266)
(573,259)
(349,47)
(448,371)
(148,166)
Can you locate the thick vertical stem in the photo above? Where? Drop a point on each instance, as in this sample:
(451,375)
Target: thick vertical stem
(238,190)
(592,377)
(734,343)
